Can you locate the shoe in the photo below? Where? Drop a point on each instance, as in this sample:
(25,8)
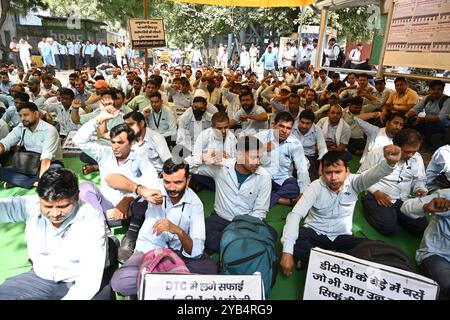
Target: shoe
(8,185)
(126,249)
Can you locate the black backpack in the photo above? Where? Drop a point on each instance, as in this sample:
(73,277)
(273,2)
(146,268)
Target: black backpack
(382,253)
(341,57)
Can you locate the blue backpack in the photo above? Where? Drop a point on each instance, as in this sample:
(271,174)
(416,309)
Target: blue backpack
(247,247)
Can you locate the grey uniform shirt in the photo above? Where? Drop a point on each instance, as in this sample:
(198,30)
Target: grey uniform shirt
(312,141)
(154,146)
(232,199)
(251,127)
(327,212)
(407,176)
(44,140)
(436,240)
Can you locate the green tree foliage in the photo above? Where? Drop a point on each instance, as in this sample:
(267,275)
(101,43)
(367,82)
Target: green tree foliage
(187,23)
(19,6)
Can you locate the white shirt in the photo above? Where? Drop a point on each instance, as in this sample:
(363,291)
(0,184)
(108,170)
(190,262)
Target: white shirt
(154,146)
(75,252)
(188,214)
(251,127)
(189,128)
(376,137)
(162,121)
(44,140)
(231,200)
(209,141)
(136,167)
(311,141)
(407,176)
(327,212)
(283,156)
(355,56)
(64,118)
(244,60)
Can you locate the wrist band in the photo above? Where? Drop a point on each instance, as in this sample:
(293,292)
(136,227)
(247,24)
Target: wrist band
(136,189)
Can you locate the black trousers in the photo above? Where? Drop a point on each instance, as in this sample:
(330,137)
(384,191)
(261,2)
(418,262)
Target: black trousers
(387,219)
(308,239)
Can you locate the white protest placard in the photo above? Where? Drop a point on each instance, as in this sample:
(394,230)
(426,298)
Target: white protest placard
(338,276)
(164,286)
(147,33)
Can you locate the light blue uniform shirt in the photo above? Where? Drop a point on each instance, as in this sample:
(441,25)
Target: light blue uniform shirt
(211,141)
(432,108)
(163,121)
(75,252)
(155,148)
(439,164)
(136,167)
(283,156)
(232,199)
(251,127)
(269,60)
(11,116)
(189,128)
(188,214)
(44,140)
(5,86)
(313,140)
(436,240)
(327,212)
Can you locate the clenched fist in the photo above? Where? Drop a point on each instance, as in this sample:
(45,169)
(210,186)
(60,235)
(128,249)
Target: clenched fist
(392,153)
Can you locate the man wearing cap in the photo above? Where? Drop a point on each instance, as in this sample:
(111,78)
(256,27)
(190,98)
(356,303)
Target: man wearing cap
(193,121)
(269,58)
(431,115)
(100,87)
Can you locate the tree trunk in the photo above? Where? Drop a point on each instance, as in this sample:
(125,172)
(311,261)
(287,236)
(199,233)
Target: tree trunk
(5,5)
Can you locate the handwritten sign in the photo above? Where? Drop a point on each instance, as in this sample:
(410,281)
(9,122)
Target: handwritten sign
(157,286)
(147,33)
(337,276)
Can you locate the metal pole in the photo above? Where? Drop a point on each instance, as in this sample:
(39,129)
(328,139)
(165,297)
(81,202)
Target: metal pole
(385,40)
(322,31)
(300,25)
(146,49)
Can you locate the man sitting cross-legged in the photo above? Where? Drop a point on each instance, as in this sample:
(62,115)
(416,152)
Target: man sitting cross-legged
(328,205)
(119,157)
(242,187)
(175,220)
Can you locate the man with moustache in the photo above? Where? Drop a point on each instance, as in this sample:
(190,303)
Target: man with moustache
(174,219)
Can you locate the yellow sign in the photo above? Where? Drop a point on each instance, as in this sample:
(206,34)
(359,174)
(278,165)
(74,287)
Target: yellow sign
(253,3)
(147,33)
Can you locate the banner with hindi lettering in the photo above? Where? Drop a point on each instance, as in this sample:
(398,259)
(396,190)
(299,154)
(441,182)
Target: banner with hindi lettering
(338,276)
(158,286)
(419,35)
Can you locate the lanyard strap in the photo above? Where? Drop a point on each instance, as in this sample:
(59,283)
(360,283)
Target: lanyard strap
(159,119)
